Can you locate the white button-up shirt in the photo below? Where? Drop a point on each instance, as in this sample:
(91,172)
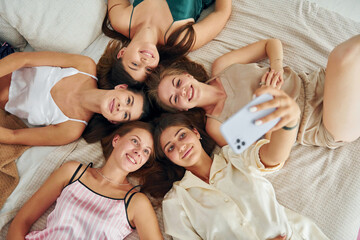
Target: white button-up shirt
(239,203)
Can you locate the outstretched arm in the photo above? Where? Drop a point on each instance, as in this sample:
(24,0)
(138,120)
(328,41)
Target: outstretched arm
(40,201)
(18,60)
(271,48)
(51,135)
(283,135)
(208,28)
(144,218)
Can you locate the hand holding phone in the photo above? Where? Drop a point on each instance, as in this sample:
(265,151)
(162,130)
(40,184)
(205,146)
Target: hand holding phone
(240,130)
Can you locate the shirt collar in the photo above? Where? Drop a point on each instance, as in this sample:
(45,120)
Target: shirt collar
(190,180)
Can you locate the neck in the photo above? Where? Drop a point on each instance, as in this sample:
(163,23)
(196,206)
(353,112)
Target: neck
(90,99)
(113,172)
(147,33)
(202,168)
(211,95)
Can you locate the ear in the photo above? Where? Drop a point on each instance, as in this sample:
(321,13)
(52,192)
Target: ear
(115,140)
(121,86)
(121,53)
(196,132)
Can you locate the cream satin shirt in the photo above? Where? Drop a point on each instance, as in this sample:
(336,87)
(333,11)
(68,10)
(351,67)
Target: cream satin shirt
(239,203)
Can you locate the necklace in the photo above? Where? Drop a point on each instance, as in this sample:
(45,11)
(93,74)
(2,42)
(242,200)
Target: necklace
(109,180)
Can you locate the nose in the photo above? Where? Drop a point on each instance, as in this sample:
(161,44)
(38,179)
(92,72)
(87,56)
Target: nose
(182,148)
(183,92)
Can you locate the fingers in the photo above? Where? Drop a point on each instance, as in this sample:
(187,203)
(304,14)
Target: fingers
(272,78)
(285,107)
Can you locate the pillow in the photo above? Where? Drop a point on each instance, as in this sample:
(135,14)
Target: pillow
(11,35)
(52,25)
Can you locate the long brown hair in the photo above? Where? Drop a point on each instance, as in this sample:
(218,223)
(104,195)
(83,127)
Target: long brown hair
(174,47)
(183,65)
(107,146)
(164,173)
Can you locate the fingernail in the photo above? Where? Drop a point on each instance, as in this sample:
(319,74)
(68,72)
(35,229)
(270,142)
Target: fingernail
(253,109)
(258,122)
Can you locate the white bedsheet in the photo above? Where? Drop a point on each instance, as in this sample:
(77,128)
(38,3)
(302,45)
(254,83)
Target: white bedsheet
(320,183)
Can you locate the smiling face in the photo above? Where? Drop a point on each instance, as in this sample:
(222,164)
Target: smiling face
(139,59)
(133,149)
(121,105)
(181,92)
(181,145)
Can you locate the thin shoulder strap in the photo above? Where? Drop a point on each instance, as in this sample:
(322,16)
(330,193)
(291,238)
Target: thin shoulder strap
(131,195)
(128,201)
(130,20)
(89,165)
(78,120)
(167,32)
(88,74)
(76,171)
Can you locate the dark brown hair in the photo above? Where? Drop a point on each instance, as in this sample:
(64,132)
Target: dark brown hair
(124,129)
(173,48)
(111,73)
(164,173)
(183,65)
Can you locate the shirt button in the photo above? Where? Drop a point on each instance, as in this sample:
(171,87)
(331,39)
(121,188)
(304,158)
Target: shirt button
(212,181)
(226,199)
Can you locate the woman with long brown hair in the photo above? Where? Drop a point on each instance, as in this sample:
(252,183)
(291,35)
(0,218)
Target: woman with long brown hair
(223,196)
(170,25)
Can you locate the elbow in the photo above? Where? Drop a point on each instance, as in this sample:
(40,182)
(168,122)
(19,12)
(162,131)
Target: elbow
(271,158)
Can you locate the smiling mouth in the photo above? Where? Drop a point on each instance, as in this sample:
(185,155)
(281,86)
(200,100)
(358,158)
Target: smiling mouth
(131,159)
(111,105)
(191,93)
(187,152)
(147,53)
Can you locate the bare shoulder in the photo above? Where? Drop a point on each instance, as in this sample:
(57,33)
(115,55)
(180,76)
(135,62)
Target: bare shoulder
(69,166)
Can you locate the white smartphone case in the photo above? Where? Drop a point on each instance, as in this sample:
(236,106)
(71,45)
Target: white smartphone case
(240,130)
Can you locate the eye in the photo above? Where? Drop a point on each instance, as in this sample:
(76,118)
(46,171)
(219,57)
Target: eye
(176,99)
(147,151)
(135,64)
(135,141)
(148,70)
(170,148)
(126,115)
(128,101)
(182,135)
(178,83)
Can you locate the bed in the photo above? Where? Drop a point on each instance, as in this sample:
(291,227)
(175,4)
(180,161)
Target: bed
(319,183)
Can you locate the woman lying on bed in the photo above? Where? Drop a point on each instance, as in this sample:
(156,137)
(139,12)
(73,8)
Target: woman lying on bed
(152,23)
(59,93)
(224,196)
(95,202)
(328,99)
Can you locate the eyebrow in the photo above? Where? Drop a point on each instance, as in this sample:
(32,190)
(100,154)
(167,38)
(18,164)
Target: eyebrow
(132,68)
(140,142)
(175,136)
(131,104)
(172,95)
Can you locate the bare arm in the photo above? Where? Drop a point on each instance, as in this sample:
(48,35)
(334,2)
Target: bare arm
(208,28)
(119,15)
(40,201)
(144,218)
(271,48)
(281,140)
(59,134)
(213,129)
(18,60)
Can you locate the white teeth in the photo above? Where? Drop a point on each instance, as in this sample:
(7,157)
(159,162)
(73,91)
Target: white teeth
(131,159)
(191,93)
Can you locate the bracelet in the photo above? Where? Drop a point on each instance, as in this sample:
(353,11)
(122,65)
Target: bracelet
(290,128)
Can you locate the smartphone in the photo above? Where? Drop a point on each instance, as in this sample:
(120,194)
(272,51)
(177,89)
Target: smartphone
(240,130)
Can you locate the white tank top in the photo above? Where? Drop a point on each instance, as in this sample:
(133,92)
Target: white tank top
(30,97)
